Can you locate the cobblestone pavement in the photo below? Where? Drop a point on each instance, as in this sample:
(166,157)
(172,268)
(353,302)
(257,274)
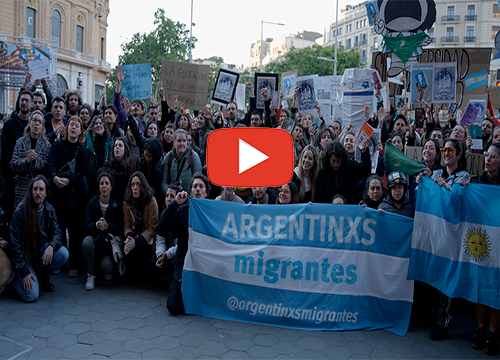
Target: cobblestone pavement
(119,320)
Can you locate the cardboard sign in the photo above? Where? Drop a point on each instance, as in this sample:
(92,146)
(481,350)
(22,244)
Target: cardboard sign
(137,83)
(188,82)
(495,97)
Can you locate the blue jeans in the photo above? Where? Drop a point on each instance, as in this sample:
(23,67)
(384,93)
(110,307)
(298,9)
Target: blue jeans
(59,258)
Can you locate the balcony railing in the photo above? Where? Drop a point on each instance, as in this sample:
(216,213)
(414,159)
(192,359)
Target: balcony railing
(469,39)
(450,18)
(433,40)
(348,47)
(356,44)
(374,48)
(89,59)
(363,60)
(470,17)
(363,42)
(449,39)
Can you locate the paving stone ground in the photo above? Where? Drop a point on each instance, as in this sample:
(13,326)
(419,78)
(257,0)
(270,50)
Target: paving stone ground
(120,320)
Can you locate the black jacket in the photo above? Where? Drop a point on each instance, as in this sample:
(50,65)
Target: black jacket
(405,209)
(177,220)
(113,216)
(342,181)
(51,233)
(12,130)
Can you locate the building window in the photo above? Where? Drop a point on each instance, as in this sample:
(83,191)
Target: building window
(470,31)
(356,42)
(102,48)
(56,27)
(61,85)
(471,10)
(340,31)
(364,23)
(79,38)
(451,12)
(348,44)
(363,56)
(30,22)
(449,33)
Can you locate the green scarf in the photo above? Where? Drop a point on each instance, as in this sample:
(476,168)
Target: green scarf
(404,46)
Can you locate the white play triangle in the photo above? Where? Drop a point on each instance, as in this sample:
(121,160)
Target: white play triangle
(249,156)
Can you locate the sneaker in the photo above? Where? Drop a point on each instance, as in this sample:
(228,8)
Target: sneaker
(56,271)
(73,273)
(491,344)
(45,285)
(89,285)
(439,333)
(479,339)
(108,277)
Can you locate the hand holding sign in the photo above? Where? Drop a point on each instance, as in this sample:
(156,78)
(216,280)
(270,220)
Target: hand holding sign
(126,106)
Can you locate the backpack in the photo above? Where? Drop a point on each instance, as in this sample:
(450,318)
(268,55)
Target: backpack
(170,158)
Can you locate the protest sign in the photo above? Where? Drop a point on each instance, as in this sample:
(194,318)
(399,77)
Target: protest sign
(316,266)
(460,245)
(39,68)
(421,83)
(358,86)
(306,96)
(469,115)
(188,82)
(475,131)
(288,79)
(240,96)
(480,105)
(264,81)
(225,86)
(137,83)
(364,133)
(495,97)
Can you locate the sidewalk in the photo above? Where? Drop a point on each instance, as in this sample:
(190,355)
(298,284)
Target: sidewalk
(129,321)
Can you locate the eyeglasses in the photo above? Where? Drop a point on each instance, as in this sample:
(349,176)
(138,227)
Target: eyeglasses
(447,150)
(493,156)
(40,121)
(286,192)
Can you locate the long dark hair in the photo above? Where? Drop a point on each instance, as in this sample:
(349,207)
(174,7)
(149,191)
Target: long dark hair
(459,148)
(91,130)
(128,162)
(437,160)
(146,191)
(31,232)
(335,148)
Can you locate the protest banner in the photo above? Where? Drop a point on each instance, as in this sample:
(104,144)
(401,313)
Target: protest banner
(317,267)
(188,82)
(225,86)
(137,83)
(459,245)
(288,79)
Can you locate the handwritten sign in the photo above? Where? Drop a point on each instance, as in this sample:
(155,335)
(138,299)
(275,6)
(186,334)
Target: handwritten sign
(39,68)
(137,83)
(188,82)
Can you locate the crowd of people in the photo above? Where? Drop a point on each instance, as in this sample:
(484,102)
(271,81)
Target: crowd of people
(107,189)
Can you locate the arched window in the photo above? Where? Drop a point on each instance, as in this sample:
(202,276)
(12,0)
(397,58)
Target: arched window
(62,85)
(56,27)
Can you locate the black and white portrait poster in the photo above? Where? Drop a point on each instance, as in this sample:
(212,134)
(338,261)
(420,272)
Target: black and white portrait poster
(225,86)
(306,96)
(265,81)
(481,106)
(445,83)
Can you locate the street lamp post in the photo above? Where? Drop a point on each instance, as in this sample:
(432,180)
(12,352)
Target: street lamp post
(261,36)
(336,38)
(191,34)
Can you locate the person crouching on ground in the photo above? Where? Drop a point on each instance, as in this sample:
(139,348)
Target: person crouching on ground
(35,241)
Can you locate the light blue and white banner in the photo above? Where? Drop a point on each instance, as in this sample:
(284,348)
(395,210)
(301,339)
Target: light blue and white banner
(319,266)
(456,236)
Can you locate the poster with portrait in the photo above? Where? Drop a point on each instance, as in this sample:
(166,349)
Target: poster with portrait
(265,81)
(481,106)
(225,86)
(445,83)
(421,83)
(306,96)
(288,79)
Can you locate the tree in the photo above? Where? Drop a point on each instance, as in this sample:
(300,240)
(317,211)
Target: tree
(307,63)
(168,40)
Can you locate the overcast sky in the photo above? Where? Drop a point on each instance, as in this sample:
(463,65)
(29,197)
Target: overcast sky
(224,28)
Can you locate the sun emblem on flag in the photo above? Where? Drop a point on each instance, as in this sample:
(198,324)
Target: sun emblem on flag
(477,244)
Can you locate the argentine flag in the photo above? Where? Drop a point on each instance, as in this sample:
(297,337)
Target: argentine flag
(456,241)
(476,80)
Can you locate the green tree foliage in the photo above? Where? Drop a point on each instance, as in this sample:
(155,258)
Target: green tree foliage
(307,63)
(168,40)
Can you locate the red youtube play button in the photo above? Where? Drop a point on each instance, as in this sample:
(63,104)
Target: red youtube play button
(250,157)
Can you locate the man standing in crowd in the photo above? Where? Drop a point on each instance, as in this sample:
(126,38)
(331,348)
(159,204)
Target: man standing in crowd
(55,122)
(262,195)
(13,130)
(73,101)
(35,241)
